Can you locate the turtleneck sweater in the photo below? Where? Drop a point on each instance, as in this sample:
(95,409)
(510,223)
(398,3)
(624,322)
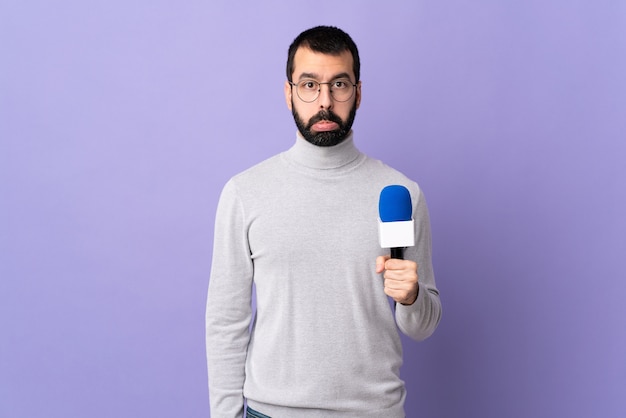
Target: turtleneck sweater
(298,234)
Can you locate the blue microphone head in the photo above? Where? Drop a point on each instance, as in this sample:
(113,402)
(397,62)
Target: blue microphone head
(395,204)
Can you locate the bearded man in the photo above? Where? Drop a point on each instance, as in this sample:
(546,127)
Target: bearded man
(301,227)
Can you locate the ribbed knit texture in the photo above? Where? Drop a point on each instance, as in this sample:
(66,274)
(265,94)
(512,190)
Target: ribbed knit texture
(303,227)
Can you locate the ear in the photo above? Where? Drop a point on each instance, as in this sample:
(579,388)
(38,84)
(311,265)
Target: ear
(288,94)
(358,94)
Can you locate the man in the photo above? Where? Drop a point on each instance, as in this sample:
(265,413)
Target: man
(302,227)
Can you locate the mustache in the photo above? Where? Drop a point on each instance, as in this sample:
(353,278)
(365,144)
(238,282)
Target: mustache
(324,115)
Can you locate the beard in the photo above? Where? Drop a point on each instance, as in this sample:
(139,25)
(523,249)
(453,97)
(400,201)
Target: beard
(327,138)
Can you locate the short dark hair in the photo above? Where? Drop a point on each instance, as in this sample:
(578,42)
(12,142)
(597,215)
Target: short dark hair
(327,40)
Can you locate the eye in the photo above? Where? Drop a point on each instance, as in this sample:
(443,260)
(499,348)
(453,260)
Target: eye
(340,84)
(309,85)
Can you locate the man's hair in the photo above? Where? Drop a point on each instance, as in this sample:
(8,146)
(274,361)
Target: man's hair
(326,40)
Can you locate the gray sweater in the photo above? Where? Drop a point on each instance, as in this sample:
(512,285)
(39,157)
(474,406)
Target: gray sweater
(302,227)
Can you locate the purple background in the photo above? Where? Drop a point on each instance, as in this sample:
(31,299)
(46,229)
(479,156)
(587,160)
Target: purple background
(120,121)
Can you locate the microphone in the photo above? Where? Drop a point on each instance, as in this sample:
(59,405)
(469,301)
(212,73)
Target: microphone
(396,228)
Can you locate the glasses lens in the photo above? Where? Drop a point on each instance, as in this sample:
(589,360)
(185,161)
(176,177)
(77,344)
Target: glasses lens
(341,90)
(308,90)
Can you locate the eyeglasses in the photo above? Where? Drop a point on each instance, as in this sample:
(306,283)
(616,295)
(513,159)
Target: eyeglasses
(308,91)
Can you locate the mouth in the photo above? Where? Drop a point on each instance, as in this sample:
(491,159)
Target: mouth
(325,126)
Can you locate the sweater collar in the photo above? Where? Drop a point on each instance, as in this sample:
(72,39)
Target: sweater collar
(305,154)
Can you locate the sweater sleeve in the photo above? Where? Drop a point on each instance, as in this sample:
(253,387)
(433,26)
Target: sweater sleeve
(228,311)
(420,319)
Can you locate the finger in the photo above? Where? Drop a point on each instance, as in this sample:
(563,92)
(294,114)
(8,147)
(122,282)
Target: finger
(401,276)
(380,263)
(403,294)
(400,282)
(396,264)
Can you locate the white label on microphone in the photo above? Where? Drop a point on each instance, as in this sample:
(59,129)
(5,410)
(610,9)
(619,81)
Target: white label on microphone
(396,234)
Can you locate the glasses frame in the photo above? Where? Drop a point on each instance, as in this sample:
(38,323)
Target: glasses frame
(319,90)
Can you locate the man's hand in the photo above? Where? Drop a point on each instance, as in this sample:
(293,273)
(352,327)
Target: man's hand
(400,279)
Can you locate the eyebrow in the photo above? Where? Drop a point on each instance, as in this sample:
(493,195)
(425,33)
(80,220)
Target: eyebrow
(315,76)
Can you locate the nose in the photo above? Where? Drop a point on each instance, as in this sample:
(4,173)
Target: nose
(325,98)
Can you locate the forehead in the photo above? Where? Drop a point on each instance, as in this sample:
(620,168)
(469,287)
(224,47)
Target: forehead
(323,66)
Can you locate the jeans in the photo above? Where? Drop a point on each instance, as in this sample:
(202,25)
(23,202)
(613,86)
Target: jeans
(251,413)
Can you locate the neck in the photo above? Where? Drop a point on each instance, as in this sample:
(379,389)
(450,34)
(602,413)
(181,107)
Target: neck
(305,154)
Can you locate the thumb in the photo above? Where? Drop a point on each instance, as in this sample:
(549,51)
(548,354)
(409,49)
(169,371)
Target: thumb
(380,263)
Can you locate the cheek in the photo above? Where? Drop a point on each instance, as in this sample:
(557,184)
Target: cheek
(305,112)
(344,111)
